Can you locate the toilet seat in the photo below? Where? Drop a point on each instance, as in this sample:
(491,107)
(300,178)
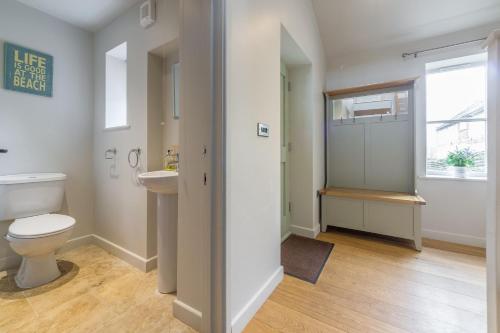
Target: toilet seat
(40,226)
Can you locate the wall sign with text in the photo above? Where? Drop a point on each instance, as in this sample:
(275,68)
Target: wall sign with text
(27,70)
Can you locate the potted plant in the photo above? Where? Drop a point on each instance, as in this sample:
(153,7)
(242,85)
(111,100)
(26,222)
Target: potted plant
(460,160)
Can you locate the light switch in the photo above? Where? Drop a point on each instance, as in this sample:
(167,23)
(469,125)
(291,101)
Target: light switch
(262,130)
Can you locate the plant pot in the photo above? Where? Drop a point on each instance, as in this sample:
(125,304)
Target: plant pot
(460,172)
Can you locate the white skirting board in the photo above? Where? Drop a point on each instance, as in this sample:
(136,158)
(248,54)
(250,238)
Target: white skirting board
(133,259)
(285,237)
(454,238)
(305,232)
(242,318)
(187,314)
(76,242)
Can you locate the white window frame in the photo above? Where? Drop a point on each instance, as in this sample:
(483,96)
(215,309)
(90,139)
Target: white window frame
(423,140)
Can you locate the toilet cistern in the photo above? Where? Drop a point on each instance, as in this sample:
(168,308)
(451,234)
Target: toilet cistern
(165,185)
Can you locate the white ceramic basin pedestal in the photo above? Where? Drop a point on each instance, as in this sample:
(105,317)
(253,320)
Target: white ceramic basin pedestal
(164,184)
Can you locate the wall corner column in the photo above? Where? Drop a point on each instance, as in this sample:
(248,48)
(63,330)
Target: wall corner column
(493,204)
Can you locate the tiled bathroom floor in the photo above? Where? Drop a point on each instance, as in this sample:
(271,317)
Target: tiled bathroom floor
(96,293)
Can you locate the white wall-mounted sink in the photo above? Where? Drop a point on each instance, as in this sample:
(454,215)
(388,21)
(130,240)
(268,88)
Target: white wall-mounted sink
(163,182)
(165,185)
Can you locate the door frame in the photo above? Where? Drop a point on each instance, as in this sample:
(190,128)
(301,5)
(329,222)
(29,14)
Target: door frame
(284,153)
(219,318)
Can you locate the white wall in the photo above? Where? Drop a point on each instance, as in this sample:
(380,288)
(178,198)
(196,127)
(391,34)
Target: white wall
(163,129)
(49,134)
(196,202)
(456,210)
(121,205)
(171,125)
(493,221)
(154,135)
(253,163)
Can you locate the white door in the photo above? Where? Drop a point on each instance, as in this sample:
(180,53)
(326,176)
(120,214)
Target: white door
(285,190)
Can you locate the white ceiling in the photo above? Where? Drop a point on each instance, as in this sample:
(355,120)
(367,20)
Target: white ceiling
(351,26)
(90,15)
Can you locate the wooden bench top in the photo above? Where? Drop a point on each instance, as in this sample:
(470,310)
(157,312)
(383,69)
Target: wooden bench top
(394,197)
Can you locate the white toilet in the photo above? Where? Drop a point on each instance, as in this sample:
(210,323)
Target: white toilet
(35,234)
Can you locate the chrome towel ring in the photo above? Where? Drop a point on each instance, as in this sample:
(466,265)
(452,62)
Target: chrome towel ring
(134,157)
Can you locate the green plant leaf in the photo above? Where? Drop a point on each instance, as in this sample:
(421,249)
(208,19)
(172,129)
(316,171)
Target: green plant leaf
(464,157)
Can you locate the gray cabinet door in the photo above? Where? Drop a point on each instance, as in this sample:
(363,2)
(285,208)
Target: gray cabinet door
(389,219)
(388,160)
(346,163)
(345,213)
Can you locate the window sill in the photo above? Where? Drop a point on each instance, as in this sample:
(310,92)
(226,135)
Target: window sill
(453,179)
(116,128)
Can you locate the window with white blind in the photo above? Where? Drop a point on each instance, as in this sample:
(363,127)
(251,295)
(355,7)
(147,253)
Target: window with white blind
(456,117)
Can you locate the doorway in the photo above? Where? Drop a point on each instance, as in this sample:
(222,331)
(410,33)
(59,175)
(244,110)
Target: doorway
(296,141)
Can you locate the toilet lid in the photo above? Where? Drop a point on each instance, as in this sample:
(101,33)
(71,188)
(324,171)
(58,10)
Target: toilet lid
(40,226)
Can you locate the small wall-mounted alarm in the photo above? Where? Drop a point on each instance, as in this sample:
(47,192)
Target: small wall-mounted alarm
(147,13)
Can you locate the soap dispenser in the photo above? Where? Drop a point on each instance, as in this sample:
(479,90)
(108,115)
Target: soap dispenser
(171,161)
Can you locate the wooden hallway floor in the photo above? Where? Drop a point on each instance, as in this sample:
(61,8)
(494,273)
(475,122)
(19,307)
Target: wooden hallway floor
(372,285)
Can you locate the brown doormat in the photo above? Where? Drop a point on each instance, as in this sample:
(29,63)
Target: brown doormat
(304,258)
